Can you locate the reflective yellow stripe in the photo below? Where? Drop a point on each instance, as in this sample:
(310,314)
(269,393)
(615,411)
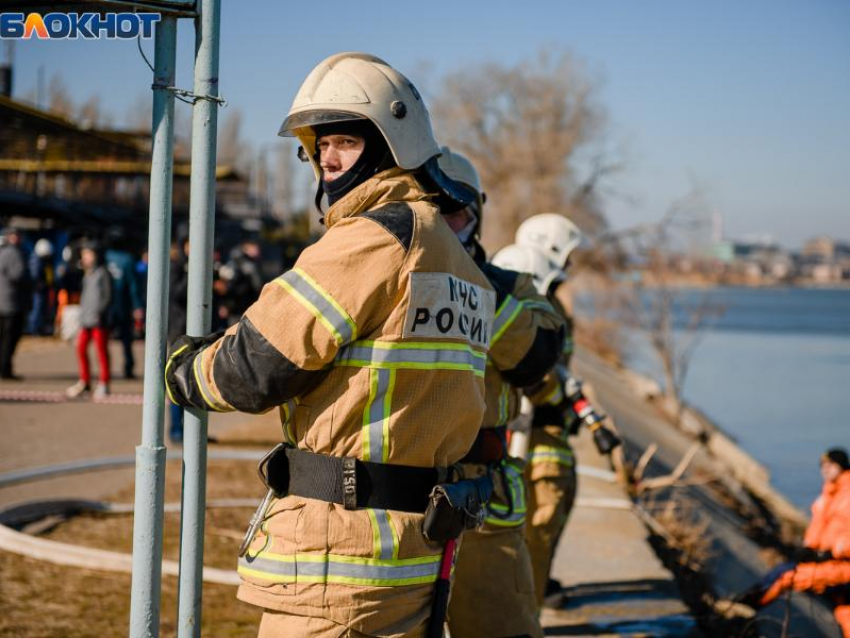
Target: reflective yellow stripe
(393,536)
(385,429)
(333,568)
(503,404)
(167,366)
(551,454)
(376,533)
(320,303)
(288,410)
(206,391)
(384,541)
(555,396)
(412,355)
(505,316)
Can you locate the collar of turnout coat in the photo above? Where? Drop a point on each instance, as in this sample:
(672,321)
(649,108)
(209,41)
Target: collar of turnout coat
(392,185)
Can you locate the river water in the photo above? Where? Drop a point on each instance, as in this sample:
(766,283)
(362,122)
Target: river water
(773,372)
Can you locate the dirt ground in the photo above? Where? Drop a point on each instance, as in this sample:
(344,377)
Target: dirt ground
(38,599)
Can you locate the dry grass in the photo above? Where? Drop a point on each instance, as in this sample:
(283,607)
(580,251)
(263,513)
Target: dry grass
(602,336)
(684,528)
(40,599)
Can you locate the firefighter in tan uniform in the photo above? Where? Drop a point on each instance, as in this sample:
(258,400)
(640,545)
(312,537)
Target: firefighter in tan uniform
(544,245)
(493,592)
(373,348)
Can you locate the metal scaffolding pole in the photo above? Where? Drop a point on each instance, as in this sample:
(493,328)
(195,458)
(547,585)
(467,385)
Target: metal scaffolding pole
(150,455)
(201,230)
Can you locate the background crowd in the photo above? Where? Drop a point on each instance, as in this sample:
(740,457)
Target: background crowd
(93,289)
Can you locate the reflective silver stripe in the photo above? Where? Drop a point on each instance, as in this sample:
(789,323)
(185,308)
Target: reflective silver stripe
(397,355)
(387,536)
(328,568)
(206,392)
(505,316)
(378,414)
(538,305)
(321,304)
(276,567)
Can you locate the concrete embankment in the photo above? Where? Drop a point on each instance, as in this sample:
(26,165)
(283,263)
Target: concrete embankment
(615,583)
(733,559)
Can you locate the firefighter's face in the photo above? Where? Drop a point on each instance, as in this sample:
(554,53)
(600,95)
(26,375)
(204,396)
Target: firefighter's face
(830,471)
(338,153)
(457,221)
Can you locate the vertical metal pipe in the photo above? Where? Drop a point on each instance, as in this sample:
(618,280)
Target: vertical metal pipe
(150,455)
(201,230)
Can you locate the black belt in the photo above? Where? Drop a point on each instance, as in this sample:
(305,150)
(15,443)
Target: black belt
(490,445)
(351,482)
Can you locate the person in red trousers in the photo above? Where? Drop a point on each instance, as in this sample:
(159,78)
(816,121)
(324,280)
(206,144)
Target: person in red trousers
(94,304)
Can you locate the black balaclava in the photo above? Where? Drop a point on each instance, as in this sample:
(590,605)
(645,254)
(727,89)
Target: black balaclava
(375,157)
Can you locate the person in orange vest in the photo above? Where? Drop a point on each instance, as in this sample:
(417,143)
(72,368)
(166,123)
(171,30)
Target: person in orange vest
(823,563)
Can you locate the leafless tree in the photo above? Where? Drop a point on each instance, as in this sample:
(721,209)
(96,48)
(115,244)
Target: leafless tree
(59,98)
(673,318)
(139,116)
(232,148)
(91,115)
(535,132)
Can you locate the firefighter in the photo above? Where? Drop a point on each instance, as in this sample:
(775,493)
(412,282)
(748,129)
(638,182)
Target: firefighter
(493,592)
(544,244)
(373,348)
(822,565)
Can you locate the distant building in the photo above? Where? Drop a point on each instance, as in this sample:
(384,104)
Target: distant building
(58,174)
(723,251)
(819,249)
(825,260)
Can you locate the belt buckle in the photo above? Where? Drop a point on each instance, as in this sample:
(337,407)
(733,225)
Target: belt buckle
(259,515)
(262,466)
(349,482)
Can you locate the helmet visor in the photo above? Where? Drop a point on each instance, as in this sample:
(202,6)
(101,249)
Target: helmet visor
(312,118)
(454,195)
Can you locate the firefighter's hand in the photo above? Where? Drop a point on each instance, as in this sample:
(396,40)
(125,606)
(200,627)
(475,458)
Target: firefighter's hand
(181,353)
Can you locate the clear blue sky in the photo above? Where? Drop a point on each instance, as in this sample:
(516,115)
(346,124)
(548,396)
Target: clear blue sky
(749,99)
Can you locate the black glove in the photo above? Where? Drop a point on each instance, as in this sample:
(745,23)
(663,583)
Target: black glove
(181,352)
(809,555)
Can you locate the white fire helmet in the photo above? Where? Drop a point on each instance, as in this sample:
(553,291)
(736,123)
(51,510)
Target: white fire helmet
(357,86)
(530,260)
(459,169)
(552,234)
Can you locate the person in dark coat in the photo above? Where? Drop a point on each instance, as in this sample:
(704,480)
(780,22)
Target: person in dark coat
(15,294)
(243,279)
(178,287)
(43,276)
(126,303)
